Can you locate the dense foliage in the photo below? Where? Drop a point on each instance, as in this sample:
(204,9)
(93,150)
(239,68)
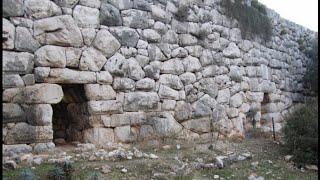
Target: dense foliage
(311,76)
(26,174)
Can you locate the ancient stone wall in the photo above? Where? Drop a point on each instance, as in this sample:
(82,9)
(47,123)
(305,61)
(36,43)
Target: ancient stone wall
(126,70)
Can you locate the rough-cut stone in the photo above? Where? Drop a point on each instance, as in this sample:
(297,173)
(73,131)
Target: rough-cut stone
(123,84)
(73,57)
(133,68)
(188,78)
(223,96)
(98,136)
(166,92)
(125,35)
(160,15)
(170,37)
(88,35)
(144,101)
(12,8)
(200,110)
(66,3)
(104,77)
(187,40)
(58,30)
(164,124)
(90,3)
(15,149)
(201,125)
(236,100)
(141,5)
(208,86)
(150,36)
(12,113)
(92,60)
(145,84)
(109,15)
(121,4)
(254,96)
(236,73)
(235,35)
(183,111)
(135,19)
(38,9)
(106,43)
(115,65)
(20,63)
(11,81)
(86,17)
(155,53)
(210,71)
(191,64)
(127,118)
(8,34)
(50,56)
(99,92)
(232,51)
(104,107)
(43,147)
(124,134)
(152,71)
(36,94)
(208,101)
(168,105)
(172,81)
(69,76)
(41,73)
(39,114)
(172,66)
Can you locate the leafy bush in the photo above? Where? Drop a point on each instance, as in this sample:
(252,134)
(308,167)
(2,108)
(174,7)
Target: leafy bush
(26,174)
(56,173)
(182,13)
(301,133)
(253,19)
(311,76)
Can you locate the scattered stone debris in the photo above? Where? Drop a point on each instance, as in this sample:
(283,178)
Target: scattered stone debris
(287,158)
(312,167)
(124,170)
(105,169)
(10,164)
(254,176)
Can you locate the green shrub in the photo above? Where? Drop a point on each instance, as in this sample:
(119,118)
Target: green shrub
(182,13)
(26,174)
(253,20)
(311,75)
(56,173)
(301,133)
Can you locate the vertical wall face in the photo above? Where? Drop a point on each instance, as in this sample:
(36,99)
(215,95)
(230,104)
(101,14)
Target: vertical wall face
(145,72)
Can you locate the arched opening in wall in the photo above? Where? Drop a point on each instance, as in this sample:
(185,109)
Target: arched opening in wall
(63,122)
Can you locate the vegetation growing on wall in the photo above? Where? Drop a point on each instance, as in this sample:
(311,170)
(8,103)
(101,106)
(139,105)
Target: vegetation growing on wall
(311,76)
(253,20)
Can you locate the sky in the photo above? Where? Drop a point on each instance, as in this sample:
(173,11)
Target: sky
(301,12)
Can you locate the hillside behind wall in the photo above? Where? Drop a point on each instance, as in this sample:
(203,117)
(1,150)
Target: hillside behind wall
(126,70)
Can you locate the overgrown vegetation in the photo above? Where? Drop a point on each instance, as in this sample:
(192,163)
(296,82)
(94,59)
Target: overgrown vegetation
(253,20)
(56,173)
(301,133)
(26,174)
(311,76)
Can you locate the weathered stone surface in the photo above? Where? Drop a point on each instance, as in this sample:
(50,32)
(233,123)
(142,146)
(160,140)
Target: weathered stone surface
(187,40)
(50,56)
(142,60)
(23,133)
(218,113)
(88,35)
(254,96)
(201,125)
(200,110)
(127,118)
(98,136)
(164,124)
(11,81)
(115,65)
(12,8)
(12,113)
(121,4)
(125,35)
(58,30)
(155,53)
(66,3)
(160,15)
(191,64)
(145,84)
(210,71)
(109,15)
(38,9)
(232,51)
(168,105)
(69,76)
(235,35)
(39,114)
(188,78)
(135,19)
(166,92)
(104,107)
(172,81)
(172,66)
(20,63)
(123,84)
(208,86)
(152,71)
(183,111)
(73,57)
(141,5)
(236,73)
(90,3)
(99,92)
(150,36)
(236,100)
(43,147)
(223,96)
(86,17)
(170,37)
(104,77)
(8,34)
(106,43)
(133,68)
(267,86)
(124,134)
(208,101)
(144,101)
(41,73)
(36,94)
(92,60)
(9,150)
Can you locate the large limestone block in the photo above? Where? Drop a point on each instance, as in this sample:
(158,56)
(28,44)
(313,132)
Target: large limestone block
(232,51)
(92,60)
(208,101)
(150,36)
(36,94)
(135,19)
(73,57)
(160,15)
(188,78)
(223,96)
(172,66)
(191,64)
(187,40)
(127,118)
(134,70)
(23,133)
(125,134)
(90,3)
(210,71)
(18,63)
(125,35)
(121,4)
(105,107)
(182,111)
(104,77)
(254,96)
(155,53)
(208,86)
(141,5)
(164,124)
(200,110)
(38,9)
(145,84)
(170,37)
(201,125)
(115,65)
(16,149)
(123,84)
(66,3)
(172,81)
(12,81)
(12,8)
(51,56)
(86,17)
(58,30)
(236,100)
(39,114)
(70,76)
(166,92)
(98,136)
(144,101)
(236,73)
(109,15)
(12,113)
(106,43)
(99,92)
(8,34)
(219,113)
